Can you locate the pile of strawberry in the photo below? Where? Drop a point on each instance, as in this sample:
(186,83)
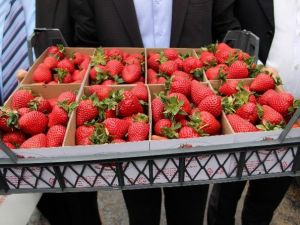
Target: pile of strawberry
(114,66)
(221,61)
(57,68)
(257,106)
(191,112)
(36,122)
(112,116)
(169,62)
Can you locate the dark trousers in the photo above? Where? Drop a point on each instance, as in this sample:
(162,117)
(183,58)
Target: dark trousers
(263,197)
(78,208)
(184,205)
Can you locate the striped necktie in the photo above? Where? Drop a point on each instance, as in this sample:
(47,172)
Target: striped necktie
(14,47)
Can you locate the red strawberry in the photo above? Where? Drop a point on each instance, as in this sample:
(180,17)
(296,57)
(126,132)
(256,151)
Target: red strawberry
(117,128)
(280,104)
(15,138)
(63,76)
(138,131)
(238,70)
(9,145)
(199,91)
(114,67)
(8,120)
(170,54)
(67,96)
(188,132)
(116,141)
(239,124)
(152,76)
(288,97)
(23,111)
(262,82)
(51,62)
(190,64)
(186,107)
(52,101)
(248,112)
(208,58)
(77,58)
(264,98)
(132,60)
(131,73)
(154,61)
(40,104)
(183,75)
(161,80)
(110,113)
(21,98)
(223,46)
(29,125)
(271,116)
(168,67)
(209,124)
(179,62)
(55,136)
(139,56)
(229,88)
(102,91)
(115,53)
(211,104)
(223,55)
(140,91)
(159,125)
(66,64)
(180,85)
(36,141)
(129,105)
(108,82)
(78,75)
(215,73)
(58,116)
(83,135)
(56,51)
(98,73)
(85,63)
(85,112)
(157,107)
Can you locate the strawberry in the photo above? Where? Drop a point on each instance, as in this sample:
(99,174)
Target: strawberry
(40,104)
(262,82)
(102,91)
(168,67)
(117,141)
(77,58)
(138,131)
(132,60)
(108,82)
(21,98)
(98,73)
(248,112)
(63,76)
(83,135)
(288,97)
(85,112)
(190,64)
(110,113)
(15,138)
(211,104)
(186,107)
(36,141)
(58,116)
(215,73)
(78,75)
(280,104)
(238,70)
(183,75)
(131,73)
(67,96)
(138,56)
(114,67)
(271,116)
(28,123)
(154,61)
(8,120)
(23,111)
(152,76)
(117,128)
(161,80)
(160,125)
(157,107)
(188,132)
(180,85)
(129,105)
(115,53)
(208,58)
(239,124)
(209,124)
(51,62)
(140,91)
(66,64)
(179,62)
(52,101)
(199,91)
(55,136)
(85,63)
(57,51)
(223,55)
(229,88)
(9,145)
(264,98)
(223,46)
(171,54)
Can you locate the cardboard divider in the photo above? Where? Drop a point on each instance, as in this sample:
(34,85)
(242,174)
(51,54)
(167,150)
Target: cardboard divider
(126,50)
(68,52)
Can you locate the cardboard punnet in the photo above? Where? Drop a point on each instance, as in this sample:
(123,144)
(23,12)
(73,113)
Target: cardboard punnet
(68,52)
(126,50)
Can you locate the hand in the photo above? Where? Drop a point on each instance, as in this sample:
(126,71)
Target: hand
(20,74)
(2,199)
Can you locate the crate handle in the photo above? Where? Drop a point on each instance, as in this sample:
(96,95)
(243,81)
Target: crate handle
(289,126)
(12,156)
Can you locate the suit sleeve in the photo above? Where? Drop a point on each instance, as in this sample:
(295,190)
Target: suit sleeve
(85,30)
(223,18)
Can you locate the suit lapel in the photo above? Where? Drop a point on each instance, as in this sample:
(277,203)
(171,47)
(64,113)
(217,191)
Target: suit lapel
(268,9)
(178,15)
(48,8)
(128,16)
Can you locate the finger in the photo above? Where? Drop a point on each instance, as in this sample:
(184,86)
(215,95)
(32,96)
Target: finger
(20,74)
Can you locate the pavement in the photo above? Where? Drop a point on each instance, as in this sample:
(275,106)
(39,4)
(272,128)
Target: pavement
(113,212)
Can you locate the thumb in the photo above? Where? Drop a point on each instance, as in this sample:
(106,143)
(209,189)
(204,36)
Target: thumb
(20,74)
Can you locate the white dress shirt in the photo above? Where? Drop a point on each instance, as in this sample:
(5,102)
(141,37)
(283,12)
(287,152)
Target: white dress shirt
(155,20)
(284,54)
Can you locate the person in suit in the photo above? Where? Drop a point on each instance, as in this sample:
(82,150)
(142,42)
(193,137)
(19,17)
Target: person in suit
(144,23)
(278,36)
(78,208)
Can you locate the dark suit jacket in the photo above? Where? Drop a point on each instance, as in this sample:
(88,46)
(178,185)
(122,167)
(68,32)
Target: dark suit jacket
(257,16)
(114,22)
(55,14)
